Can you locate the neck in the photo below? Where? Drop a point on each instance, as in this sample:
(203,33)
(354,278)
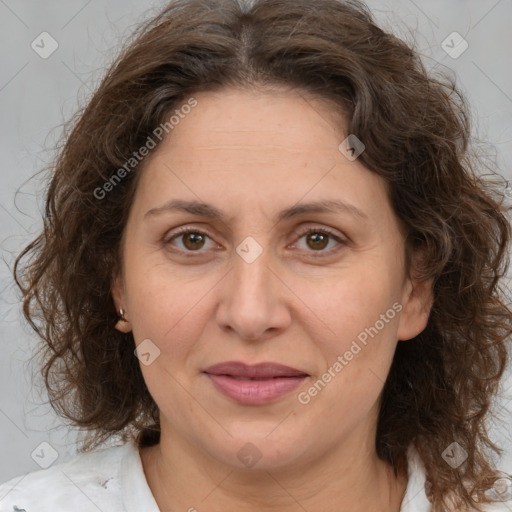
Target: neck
(356,480)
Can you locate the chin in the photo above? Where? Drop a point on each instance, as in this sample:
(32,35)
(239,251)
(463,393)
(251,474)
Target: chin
(255,449)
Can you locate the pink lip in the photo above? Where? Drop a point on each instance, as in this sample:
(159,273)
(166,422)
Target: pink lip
(254,385)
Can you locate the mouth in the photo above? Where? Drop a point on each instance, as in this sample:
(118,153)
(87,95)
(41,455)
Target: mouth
(258,384)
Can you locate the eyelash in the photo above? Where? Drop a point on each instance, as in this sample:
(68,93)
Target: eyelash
(317,254)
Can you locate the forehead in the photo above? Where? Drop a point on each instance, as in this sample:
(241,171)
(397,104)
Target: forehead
(288,117)
(242,146)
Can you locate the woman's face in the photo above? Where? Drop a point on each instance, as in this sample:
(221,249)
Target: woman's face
(248,286)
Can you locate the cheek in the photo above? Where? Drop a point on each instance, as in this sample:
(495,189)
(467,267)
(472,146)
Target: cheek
(167,307)
(169,311)
(365,320)
(358,347)
(356,362)
(351,306)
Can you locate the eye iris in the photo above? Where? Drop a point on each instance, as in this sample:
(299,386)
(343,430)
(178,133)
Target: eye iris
(320,238)
(195,238)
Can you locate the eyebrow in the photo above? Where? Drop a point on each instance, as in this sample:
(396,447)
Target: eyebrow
(210,211)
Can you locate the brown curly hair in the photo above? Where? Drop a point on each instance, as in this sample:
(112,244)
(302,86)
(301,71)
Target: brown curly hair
(416,129)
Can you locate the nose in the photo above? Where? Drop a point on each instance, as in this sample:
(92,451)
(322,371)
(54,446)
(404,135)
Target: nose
(254,299)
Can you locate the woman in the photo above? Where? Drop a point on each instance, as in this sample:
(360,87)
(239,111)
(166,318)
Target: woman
(274,207)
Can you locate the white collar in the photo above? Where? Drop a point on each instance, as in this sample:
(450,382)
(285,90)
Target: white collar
(134,485)
(415,498)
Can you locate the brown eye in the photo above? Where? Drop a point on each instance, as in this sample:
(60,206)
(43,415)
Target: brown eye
(192,240)
(317,239)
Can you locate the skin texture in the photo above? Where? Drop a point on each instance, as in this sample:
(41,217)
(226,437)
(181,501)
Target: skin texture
(252,154)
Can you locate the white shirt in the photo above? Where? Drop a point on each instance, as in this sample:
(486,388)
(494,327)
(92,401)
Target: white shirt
(112,480)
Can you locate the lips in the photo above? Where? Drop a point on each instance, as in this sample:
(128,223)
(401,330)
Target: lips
(259,371)
(254,384)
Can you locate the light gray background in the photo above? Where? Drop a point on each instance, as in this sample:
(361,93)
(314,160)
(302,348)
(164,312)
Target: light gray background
(38,95)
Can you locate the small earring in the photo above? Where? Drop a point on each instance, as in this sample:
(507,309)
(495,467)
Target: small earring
(121,314)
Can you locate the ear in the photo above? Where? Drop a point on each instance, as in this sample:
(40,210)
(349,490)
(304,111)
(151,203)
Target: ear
(417,300)
(119,298)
